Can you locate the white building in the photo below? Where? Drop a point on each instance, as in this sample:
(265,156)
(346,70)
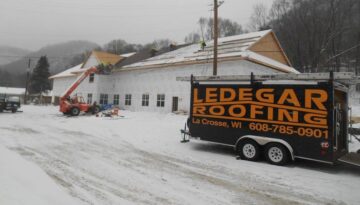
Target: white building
(90,87)
(150,85)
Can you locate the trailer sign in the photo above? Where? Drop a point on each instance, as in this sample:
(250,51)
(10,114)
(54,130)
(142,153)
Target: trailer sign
(278,117)
(279,110)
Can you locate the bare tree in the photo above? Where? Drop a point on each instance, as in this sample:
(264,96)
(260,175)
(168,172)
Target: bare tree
(158,44)
(315,32)
(259,17)
(192,38)
(226,28)
(119,46)
(229,28)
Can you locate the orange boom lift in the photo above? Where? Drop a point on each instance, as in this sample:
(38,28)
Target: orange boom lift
(76,104)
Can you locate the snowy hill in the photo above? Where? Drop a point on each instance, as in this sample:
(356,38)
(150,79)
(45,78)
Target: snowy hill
(10,54)
(59,56)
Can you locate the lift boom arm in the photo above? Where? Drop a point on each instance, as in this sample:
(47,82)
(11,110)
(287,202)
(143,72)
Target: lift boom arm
(78,81)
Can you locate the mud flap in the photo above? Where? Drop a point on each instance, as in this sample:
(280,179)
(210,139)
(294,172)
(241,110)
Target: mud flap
(351,158)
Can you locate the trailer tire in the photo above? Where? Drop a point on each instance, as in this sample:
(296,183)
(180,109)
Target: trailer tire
(249,150)
(75,111)
(277,154)
(13,110)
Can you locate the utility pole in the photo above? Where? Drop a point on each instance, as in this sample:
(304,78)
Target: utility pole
(27,81)
(215,37)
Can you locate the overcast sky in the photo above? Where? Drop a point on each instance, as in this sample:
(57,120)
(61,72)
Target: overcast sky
(32,24)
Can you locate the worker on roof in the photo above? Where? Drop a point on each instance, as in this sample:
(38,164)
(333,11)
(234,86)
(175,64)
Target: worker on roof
(202,44)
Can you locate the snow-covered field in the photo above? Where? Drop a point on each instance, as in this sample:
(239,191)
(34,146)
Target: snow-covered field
(140,160)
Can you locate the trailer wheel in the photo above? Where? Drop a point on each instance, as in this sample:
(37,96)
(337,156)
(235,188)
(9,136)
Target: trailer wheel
(249,150)
(75,111)
(13,110)
(276,154)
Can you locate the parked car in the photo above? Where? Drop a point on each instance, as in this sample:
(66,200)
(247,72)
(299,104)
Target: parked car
(9,103)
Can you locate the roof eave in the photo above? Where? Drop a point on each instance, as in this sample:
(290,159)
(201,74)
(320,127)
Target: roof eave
(223,59)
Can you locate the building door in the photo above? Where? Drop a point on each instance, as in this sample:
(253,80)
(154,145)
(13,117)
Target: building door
(340,124)
(175,104)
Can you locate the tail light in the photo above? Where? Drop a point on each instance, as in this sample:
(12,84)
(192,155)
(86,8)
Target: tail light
(325,145)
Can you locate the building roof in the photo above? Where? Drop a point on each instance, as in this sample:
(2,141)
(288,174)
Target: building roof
(12,91)
(146,54)
(229,48)
(127,55)
(107,58)
(67,73)
(101,57)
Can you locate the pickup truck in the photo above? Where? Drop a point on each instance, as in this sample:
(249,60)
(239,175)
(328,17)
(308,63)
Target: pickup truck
(9,103)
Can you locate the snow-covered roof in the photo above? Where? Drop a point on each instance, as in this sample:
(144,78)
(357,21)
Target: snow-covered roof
(228,47)
(252,56)
(126,55)
(67,73)
(12,91)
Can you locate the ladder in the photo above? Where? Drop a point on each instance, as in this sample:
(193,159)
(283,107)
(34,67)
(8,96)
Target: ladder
(346,78)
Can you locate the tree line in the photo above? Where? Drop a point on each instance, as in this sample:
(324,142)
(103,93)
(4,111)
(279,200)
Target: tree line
(317,35)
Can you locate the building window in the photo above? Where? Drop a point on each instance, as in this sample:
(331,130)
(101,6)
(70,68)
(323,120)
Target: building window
(358,87)
(89,98)
(128,99)
(160,102)
(116,99)
(104,99)
(145,100)
(91,77)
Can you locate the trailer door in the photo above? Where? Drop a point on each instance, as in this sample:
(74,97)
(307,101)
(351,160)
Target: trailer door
(340,123)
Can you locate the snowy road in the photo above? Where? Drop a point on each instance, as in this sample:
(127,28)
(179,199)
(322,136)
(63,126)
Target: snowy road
(139,160)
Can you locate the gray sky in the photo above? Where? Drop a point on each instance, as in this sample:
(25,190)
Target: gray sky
(32,24)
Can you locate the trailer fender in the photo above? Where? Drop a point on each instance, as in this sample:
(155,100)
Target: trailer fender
(265,140)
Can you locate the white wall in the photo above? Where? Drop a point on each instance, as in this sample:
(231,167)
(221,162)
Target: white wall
(62,84)
(163,81)
(153,81)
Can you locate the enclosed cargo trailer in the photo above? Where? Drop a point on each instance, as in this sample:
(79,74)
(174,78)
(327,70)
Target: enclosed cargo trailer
(283,116)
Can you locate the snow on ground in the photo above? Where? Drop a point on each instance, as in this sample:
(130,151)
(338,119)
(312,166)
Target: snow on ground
(140,160)
(22,182)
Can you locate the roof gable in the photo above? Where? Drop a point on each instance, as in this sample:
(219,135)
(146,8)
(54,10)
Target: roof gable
(270,47)
(98,56)
(102,58)
(107,58)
